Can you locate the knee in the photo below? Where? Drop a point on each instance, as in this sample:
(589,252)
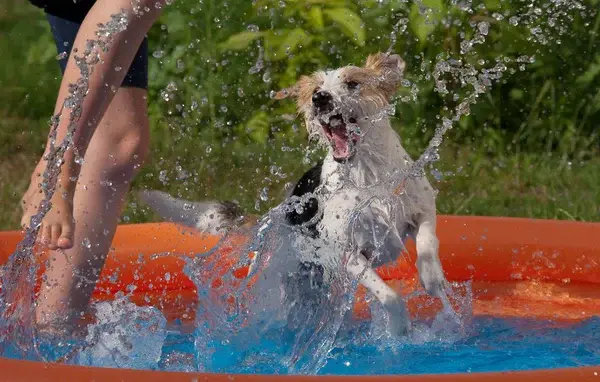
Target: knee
(121,143)
(131,144)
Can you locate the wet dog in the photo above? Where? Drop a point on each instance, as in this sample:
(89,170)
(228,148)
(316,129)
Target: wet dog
(352,206)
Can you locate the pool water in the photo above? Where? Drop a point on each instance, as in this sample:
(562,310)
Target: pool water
(134,337)
(493,345)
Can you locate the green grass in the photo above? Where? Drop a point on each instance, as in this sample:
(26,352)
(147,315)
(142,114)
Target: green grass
(522,185)
(485,172)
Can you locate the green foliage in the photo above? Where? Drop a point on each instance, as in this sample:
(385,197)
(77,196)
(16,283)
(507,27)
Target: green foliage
(545,105)
(424,17)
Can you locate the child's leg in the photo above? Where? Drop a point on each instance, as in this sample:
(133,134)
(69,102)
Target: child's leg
(116,152)
(56,230)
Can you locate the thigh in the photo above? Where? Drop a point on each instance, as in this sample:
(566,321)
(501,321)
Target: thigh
(65,31)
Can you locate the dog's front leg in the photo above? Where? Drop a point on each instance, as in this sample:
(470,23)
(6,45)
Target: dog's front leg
(398,319)
(430,269)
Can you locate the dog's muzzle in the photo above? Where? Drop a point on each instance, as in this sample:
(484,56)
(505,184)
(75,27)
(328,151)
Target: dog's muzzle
(323,102)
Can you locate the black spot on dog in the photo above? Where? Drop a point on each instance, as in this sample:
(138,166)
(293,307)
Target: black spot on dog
(306,185)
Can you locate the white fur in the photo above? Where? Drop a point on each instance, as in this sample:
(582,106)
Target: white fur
(204,216)
(382,220)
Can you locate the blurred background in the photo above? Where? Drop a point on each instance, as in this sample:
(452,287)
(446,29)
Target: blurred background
(529,146)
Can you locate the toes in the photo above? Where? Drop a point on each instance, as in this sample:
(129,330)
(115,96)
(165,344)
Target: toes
(55,232)
(65,241)
(45,234)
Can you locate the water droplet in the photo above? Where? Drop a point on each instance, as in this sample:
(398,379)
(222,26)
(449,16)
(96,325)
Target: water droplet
(162,176)
(536,30)
(253,28)
(264,196)
(483,27)
(172,86)
(86,243)
(158,53)
(266,77)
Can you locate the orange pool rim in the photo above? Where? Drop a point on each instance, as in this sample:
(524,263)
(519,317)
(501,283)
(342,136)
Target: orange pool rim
(542,269)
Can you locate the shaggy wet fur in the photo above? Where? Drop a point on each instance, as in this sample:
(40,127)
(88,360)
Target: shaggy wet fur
(352,216)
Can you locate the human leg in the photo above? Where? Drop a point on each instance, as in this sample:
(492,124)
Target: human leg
(56,230)
(116,152)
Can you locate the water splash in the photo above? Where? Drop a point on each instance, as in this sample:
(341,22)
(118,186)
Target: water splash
(234,311)
(456,78)
(124,336)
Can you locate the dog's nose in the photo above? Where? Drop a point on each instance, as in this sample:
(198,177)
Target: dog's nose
(323,101)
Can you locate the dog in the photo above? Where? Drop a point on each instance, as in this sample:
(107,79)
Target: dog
(347,199)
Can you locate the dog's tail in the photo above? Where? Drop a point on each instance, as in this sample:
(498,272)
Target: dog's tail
(212,217)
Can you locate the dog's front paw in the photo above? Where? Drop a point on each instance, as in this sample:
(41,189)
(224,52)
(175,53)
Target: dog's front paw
(432,276)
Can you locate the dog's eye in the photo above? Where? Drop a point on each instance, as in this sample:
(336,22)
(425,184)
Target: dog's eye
(352,85)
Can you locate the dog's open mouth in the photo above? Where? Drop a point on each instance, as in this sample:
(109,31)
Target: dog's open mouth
(342,141)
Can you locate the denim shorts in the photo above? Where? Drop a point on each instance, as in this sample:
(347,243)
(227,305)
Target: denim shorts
(65,31)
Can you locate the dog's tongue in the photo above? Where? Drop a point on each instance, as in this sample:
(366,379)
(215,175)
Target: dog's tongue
(339,140)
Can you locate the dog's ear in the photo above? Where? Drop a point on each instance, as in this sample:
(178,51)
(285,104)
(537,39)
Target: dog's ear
(292,91)
(389,68)
(383,62)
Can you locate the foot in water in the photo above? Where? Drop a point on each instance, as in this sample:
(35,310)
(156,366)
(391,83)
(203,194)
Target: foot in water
(57,227)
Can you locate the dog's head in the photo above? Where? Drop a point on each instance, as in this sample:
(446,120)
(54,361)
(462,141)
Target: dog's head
(342,105)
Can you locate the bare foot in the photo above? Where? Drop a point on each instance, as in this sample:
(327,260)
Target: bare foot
(57,226)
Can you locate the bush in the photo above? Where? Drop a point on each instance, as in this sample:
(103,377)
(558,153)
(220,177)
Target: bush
(209,74)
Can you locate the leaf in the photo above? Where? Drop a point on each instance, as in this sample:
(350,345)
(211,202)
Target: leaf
(590,74)
(517,94)
(175,21)
(273,43)
(314,16)
(330,3)
(294,38)
(349,22)
(258,127)
(240,41)
(424,19)
(492,5)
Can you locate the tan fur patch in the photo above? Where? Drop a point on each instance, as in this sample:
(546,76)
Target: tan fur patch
(389,69)
(369,82)
(307,85)
(379,80)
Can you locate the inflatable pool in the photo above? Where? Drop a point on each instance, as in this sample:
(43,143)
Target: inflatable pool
(519,268)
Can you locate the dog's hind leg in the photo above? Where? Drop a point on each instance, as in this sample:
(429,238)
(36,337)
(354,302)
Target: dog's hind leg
(398,318)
